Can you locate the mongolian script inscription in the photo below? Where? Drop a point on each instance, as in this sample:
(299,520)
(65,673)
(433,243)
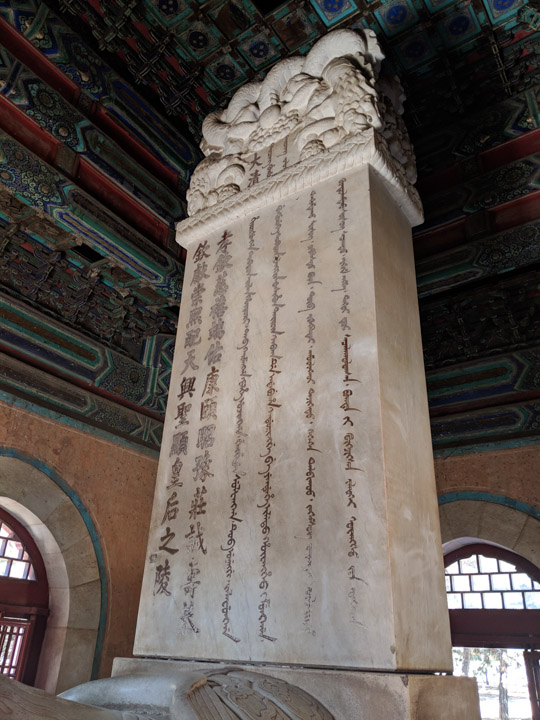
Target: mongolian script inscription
(347,406)
(238,471)
(272,405)
(310,412)
(263,531)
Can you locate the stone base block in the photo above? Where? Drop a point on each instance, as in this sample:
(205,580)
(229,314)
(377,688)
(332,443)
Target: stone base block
(347,695)
(20,702)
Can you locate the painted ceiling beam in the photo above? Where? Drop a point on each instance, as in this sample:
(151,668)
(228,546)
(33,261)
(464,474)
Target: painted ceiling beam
(485,192)
(482,319)
(52,270)
(462,140)
(33,58)
(502,316)
(78,169)
(65,353)
(485,382)
(77,212)
(506,424)
(37,391)
(79,140)
(447,235)
(492,159)
(489,256)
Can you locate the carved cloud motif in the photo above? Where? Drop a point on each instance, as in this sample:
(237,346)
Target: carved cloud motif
(317,103)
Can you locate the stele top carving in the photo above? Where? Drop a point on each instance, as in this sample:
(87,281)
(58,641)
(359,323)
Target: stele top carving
(317,102)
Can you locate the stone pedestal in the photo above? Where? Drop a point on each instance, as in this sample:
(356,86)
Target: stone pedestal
(295,517)
(348,695)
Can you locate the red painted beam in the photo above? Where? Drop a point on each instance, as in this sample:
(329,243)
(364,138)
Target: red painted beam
(149,162)
(467,228)
(503,154)
(29,133)
(31,360)
(89,177)
(21,48)
(516,212)
(15,43)
(510,151)
(26,131)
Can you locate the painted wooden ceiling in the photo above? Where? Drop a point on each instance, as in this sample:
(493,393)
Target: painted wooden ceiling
(452,56)
(101,105)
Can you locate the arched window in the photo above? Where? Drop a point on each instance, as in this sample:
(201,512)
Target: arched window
(494,602)
(14,559)
(24,598)
(493,597)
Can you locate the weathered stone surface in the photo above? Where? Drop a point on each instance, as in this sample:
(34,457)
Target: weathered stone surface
(158,690)
(20,702)
(347,695)
(295,516)
(313,107)
(207,693)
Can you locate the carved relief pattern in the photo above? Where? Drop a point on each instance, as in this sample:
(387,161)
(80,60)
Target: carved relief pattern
(368,148)
(330,102)
(238,695)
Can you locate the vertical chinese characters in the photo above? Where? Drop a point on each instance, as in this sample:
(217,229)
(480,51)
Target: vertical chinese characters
(180,439)
(207,408)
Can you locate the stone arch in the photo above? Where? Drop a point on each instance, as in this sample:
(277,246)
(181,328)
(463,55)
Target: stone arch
(472,517)
(67,539)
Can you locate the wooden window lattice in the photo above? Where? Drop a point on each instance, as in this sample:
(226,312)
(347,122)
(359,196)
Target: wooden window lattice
(24,599)
(479,582)
(14,559)
(13,636)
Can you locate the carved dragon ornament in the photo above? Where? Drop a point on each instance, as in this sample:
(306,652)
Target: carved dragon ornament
(329,104)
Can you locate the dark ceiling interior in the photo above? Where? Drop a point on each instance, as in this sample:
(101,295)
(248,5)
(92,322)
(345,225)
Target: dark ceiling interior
(101,106)
(452,57)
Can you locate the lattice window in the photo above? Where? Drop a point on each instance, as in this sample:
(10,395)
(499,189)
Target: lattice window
(13,636)
(481,582)
(24,601)
(14,559)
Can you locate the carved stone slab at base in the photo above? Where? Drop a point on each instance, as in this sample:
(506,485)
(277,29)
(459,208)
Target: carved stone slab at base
(20,702)
(346,695)
(212,693)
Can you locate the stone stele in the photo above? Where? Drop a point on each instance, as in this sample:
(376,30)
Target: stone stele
(295,518)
